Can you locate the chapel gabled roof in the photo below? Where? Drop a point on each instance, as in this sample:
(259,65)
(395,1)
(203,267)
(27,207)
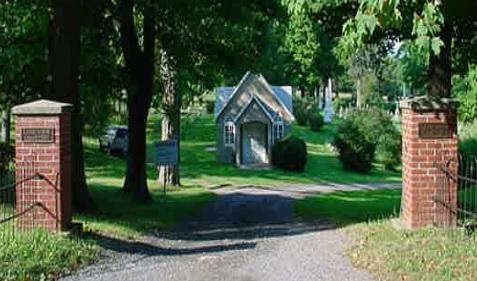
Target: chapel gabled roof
(283,94)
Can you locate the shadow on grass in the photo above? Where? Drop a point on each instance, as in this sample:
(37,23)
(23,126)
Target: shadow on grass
(118,214)
(152,249)
(351,207)
(244,216)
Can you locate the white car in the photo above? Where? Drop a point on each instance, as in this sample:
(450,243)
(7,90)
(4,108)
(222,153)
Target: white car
(114,140)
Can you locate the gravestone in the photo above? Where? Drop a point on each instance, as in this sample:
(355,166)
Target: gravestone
(328,112)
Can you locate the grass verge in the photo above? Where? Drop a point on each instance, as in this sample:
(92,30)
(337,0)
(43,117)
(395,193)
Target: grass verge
(428,254)
(39,255)
(425,255)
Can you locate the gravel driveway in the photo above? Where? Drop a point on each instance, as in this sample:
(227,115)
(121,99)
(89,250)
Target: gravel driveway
(247,234)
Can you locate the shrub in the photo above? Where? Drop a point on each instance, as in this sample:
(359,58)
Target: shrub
(209,106)
(316,121)
(290,153)
(388,150)
(301,111)
(356,151)
(365,134)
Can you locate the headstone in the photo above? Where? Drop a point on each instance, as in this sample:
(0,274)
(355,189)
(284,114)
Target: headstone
(328,111)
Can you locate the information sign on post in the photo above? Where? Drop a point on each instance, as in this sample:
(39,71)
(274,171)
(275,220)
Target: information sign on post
(166,153)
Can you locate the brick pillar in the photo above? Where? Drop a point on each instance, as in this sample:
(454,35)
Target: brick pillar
(429,133)
(43,146)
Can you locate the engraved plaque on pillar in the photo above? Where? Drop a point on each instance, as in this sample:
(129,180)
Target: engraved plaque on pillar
(434,131)
(39,135)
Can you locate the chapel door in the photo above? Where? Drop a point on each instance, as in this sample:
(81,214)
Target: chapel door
(254,150)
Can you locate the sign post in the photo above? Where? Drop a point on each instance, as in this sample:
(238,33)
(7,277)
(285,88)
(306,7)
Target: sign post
(166,153)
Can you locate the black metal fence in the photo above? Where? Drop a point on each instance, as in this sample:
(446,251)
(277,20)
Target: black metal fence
(456,197)
(18,186)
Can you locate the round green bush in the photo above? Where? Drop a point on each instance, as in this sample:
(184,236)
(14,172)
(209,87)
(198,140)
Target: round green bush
(316,121)
(356,152)
(365,135)
(290,153)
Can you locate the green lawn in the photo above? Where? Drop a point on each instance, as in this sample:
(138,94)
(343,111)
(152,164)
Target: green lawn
(39,255)
(200,167)
(428,254)
(351,207)
(118,214)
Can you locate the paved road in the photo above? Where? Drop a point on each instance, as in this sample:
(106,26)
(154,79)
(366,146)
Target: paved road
(247,234)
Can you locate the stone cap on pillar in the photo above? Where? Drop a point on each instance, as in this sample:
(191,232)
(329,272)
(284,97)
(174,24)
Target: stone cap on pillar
(428,103)
(42,107)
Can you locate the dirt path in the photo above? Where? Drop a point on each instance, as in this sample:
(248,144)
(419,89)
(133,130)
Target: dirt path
(247,234)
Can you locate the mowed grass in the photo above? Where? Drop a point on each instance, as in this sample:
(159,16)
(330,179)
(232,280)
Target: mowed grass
(118,214)
(199,165)
(38,255)
(428,254)
(351,207)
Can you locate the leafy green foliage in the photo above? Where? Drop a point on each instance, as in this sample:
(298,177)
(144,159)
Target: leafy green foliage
(468,140)
(356,151)
(311,38)
(23,45)
(465,90)
(389,147)
(316,121)
(302,43)
(363,133)
(290,153)
(39,255)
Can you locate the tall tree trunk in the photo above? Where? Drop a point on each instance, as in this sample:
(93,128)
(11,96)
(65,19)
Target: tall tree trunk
(64,65)
(5,122)
(140,69)
(171,101)
(440,66)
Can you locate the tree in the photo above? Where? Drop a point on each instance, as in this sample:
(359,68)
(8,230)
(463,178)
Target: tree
(200,43)
(442,28)
(315,27)
(23,68)
(465,90)
(139,66)
(303,46)
(64,69)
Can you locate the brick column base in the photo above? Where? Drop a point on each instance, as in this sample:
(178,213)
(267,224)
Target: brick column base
(429,132)
(43,148)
